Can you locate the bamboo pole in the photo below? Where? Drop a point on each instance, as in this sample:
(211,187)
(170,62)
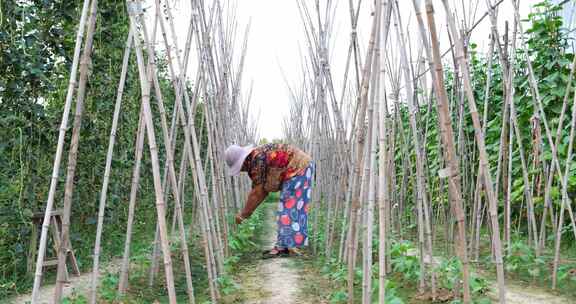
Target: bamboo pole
(73,153)
(173,135)
(59,151)
(509,194)
(508,71)
(108,166)
(383,194)
(191,148)
(123,278)
(453,170)
(477,216)
(134,9)
(210,61)
(362,102)
(170,155)
(565,201)
(371,162)
(421,197)
(486,173)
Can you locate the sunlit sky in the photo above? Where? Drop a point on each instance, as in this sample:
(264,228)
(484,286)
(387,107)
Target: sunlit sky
(276,43)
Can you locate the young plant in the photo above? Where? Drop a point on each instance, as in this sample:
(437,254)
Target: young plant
(403,262)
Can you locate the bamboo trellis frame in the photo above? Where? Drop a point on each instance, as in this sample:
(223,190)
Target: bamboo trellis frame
(470,180)
(354,135)
(214,225)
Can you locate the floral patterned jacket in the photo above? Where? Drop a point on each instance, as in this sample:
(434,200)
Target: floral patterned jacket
(273,164)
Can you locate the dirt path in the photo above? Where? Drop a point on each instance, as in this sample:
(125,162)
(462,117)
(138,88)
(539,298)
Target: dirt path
(79,285)
(516,294)
(272,281)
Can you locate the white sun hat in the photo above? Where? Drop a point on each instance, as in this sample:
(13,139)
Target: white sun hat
(235,156)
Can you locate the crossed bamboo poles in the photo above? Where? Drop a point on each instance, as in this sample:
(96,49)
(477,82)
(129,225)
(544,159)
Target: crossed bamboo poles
(376,82)
(326,132)
(224,118)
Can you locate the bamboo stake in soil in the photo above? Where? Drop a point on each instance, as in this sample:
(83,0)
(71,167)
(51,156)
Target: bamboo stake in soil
(421,197)
(108,166)
(170,155)
(508,71)
(59,151)
(371,162)
(383,198)
(383,193)
(477,215)
(123,280)
(133,9)
(356,196)
(486,173)
(73,153)
(192,149)
(449,151)
(565,201)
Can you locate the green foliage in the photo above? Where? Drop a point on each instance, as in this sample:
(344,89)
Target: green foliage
(523,260)
(402,262)
(242,241)
(37,42)
(33,41)
(334,271)
(338,297)
(227,284)
(108,290)
(565,273)
(550,56)
(449,274)
(75,299)
(474,301)
(405,263)
(337,273)
(392,296)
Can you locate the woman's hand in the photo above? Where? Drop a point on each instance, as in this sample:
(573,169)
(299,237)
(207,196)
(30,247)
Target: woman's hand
(256,196)
(239,219)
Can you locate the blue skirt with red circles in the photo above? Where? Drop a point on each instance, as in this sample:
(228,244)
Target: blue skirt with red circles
(293,208)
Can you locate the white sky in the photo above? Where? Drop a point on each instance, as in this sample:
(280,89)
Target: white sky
(276,42)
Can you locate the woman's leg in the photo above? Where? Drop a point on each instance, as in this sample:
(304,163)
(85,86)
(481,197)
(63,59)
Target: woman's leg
(303,194)
(287,201)
(293,211)
(283,234)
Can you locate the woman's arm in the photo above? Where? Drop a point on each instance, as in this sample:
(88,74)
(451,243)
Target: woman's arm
(255,197)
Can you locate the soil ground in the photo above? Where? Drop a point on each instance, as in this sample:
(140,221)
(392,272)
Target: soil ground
(282,280)
(517,294)
(264,281)
(78,285)
(271,281)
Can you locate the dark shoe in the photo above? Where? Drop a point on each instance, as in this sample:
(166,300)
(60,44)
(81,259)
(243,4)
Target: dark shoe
(275,253)
(285,250)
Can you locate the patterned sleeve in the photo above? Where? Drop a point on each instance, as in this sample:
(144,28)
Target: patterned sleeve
(258,171)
